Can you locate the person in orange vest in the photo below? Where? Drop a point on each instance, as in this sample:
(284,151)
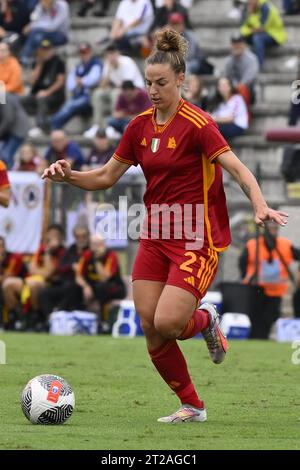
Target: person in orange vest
(275,254)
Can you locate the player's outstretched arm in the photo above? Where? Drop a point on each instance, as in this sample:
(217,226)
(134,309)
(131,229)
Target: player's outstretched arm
(100,178)
(243,176)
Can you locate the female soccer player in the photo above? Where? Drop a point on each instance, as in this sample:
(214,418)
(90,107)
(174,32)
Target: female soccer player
(181,152)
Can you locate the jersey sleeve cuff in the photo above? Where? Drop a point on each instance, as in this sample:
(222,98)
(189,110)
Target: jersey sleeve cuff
(218,152)
(123,160)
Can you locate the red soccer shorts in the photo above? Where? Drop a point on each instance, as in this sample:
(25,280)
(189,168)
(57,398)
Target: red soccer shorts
(169,261)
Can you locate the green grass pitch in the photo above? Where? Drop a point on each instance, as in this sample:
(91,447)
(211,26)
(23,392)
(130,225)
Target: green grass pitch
(252,399)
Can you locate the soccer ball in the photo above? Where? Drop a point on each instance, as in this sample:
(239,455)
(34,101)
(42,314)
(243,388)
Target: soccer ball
(47,399)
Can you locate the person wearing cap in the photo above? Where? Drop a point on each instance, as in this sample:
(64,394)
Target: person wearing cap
(196,62)
(49,20)
(82,79)
(47,91)
(263,27)
(164,9)
(275,255)
(131,102)
(242,68)
(117,68)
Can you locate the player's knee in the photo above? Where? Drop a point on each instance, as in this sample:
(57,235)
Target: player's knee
(147,326)
(168,328)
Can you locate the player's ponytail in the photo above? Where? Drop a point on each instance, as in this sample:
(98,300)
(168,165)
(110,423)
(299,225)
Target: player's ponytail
(170,48)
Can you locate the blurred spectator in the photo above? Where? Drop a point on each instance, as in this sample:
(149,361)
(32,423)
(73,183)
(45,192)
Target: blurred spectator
(263,27)
(242,68)
(10,71)
(275,256)
(163,12)
(291,7)
(21,296)
(63,148)
(47,92)
(86,5)
(80,82)
(28,159)
(195,92)
(98,275)
(14,127)
(238,10)
(60,295)
(11,265)
(132,21)
(196,62)
(101,152)
(131,102)
(49,20)
(5,192)
(117,68)
(229,110)
(14,16)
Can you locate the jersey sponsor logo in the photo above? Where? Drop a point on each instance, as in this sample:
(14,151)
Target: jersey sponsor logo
(54,391)
(171,143)
(155,145)
(144,142)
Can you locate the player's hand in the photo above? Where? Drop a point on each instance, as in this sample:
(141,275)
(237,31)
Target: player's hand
(59,171)
(265,214)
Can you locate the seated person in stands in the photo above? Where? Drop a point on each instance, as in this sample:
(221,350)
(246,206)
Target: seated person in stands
(47,92)
(82,79)
(132,21)
(28,159)
(63,148)
(11,265)
(14,16)
(61,294)
(86,5)
(131,102)
(101,151)
(10,71)
(165,8)
(195,92)
(294,113)
(49,20)
(196,62)
(5,192)
(242,68)
(263,27)
(14,128)
(117,68)
(229,110)
(98,275)
(21,296)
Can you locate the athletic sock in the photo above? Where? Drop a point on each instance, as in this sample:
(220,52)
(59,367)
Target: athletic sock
(198,322)
(171,365)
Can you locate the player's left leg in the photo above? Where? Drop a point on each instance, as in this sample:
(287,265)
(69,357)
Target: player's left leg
(174,309)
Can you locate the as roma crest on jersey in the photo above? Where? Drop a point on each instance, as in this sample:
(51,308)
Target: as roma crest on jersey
(155,145)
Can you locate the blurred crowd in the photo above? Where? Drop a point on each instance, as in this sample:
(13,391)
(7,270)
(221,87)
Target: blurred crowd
(106,83)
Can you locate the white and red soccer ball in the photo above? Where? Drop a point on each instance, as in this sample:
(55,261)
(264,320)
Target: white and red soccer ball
(47,399)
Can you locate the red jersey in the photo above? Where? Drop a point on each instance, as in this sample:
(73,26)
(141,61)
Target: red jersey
(4,183)
(179,163)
